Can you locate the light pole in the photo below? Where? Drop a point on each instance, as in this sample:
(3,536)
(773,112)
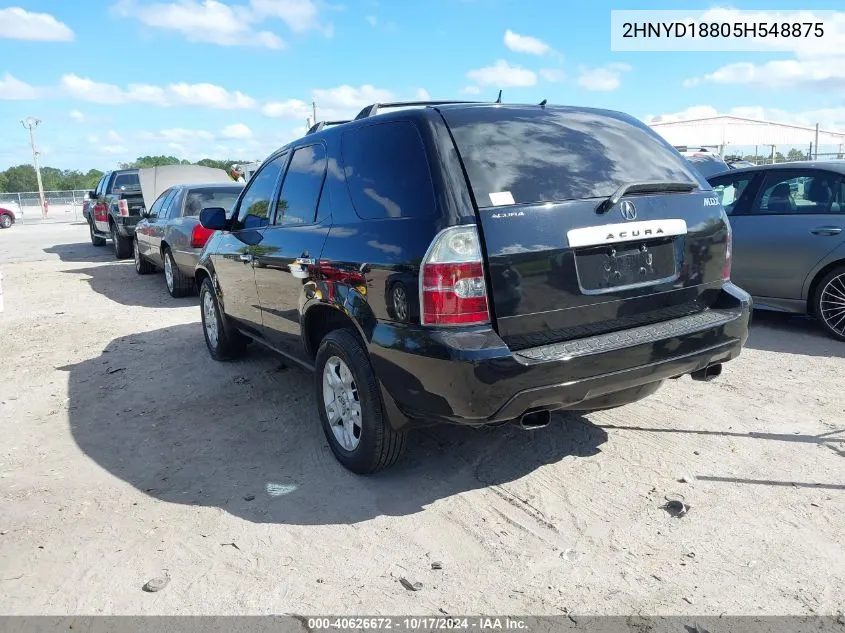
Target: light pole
(31,123)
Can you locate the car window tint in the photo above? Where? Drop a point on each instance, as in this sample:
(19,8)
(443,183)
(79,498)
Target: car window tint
(126,182)
(529,154)
(254,209)
(324,209)
(155,208)
(730,190)
(387,171)
(168,204)
(797,193)
(99,190)
(199,199)
(301,187)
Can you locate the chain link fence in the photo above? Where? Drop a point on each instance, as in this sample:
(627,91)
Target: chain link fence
(61,206)
(767,160)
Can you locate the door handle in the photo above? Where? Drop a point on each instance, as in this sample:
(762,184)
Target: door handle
(826,230)
(246,258)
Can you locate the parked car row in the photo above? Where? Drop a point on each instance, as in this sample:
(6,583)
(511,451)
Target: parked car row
(449,262)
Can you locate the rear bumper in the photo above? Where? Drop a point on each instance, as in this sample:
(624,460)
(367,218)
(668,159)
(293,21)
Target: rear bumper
(126,225)
(187,260)
(471,377)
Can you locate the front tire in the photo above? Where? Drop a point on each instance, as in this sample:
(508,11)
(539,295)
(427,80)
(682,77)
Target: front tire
(96,240)
(223,342)
(122,245)
(351,410)
(830,303)
(142,266)
(5,221)
(178,283)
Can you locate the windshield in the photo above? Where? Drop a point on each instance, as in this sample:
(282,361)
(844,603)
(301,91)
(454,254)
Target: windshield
(530,154)
(199,199)
(708,165)
(126,182)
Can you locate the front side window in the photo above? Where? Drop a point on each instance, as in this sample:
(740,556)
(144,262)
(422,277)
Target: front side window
(387,171)
(254,209)
(798,193)
(155,209)
(302,185)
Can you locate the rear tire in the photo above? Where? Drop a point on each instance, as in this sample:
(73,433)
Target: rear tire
(178,283)
(829,303)
(122,245)
(96,240)
(223,341)
(356,400)
(5,221)
(142,266)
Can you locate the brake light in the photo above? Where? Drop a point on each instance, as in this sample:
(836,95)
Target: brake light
(453,290)
(200,235)
(726,268)
(123,208)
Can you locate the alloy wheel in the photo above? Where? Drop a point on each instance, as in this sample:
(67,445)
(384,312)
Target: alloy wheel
(340,399)
(209,314)
(400,303)
(833,304)
(168,272)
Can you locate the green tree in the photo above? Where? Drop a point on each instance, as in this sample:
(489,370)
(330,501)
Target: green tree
(20,178)
(795,154)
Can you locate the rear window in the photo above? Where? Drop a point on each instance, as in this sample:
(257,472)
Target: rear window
(708,165)
(126,182)
(525,155)
(199,199)
(387,171)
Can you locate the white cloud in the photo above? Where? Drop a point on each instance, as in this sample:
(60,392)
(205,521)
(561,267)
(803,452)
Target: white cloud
(14,89)
(471,90)
(827,118)
(176,135)
(346,101)
(236,131)
(76,115)
(299,15)
(112,149)
(553,75)
(18,24)
(207,21)
(526,44)
(372,20)
(794,74)
(203,94)
(602,79)
(423,95)
(114,137)
(290,109)
(503,75)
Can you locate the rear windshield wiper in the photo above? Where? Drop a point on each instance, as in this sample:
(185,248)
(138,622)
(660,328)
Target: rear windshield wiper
(643,187)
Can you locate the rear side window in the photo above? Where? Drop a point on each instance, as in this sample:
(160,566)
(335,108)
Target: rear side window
(167,205)
(526,155)
(301,187)
(387,171)
(254,211)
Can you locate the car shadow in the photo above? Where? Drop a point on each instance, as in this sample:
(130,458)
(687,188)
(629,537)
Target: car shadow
(118,281)
(792,334)
(81,252)
(245,437)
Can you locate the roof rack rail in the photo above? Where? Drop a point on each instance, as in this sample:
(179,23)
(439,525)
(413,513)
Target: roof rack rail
(373,108)
(321,124)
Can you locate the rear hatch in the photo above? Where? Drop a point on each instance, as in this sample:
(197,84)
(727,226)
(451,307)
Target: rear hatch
(564,261)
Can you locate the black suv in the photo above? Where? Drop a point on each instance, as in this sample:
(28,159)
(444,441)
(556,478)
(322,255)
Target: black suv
(475,264)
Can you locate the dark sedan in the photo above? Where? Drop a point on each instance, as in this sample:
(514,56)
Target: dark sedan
(170,236)
(789,247)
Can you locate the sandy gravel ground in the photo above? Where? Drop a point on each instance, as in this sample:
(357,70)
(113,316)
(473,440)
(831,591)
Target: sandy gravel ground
(126,451)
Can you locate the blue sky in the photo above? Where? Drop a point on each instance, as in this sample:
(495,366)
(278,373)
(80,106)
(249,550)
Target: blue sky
(115,79)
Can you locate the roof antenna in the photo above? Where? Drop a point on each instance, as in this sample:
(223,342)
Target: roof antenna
(499,99)
(543,103)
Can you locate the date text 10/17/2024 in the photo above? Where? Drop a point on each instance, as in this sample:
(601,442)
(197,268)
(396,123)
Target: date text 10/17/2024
(418,623)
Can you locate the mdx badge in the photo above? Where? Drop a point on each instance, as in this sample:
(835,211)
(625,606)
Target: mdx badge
(628,210)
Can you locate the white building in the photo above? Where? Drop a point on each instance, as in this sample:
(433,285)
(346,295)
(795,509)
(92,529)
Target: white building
(734,135)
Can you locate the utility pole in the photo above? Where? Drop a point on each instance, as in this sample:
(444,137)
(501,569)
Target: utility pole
(314,110)
(817,142)
(30,123)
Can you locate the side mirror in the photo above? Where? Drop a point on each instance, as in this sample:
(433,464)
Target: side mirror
(145,213)
(92,194)
(213,218)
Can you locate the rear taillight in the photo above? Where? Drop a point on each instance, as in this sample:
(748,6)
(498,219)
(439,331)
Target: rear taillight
(726,268)
(453,289)
(200,235)
(123,208)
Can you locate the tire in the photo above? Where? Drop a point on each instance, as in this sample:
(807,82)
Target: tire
(142,266)
(122,245)
(5,221)
(377,445)
(829,303)
(178,283)
(223,342)
(399,302)
(96,240)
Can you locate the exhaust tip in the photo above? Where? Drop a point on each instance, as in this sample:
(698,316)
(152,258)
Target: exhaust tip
(534,420)
(707,374)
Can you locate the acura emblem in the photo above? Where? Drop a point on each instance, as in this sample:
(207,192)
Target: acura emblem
(628,210)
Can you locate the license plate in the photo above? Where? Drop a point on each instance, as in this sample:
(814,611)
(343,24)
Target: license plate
(603,268)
